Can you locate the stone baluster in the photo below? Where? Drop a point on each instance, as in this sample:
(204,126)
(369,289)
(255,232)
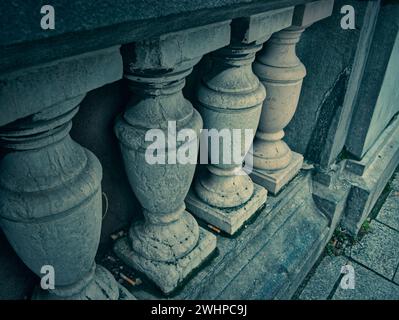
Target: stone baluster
(281,72)
(230,99)
(50,186)
(168,244)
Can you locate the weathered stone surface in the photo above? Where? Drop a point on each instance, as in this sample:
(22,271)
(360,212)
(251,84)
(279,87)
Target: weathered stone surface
(50,200)
(48,84)
(279,265)
(273,181)
(261,26)
(282,73)
(378,250)
(168,235)
(378,95)
(368,286)
(389,213)
(331,199)
(269,256)
(312,12)
(359,167)
(226,219)
(107,24)
(166,275)
(329,52)
(365,189)
(172,49)
(229,98)
(321,283)
(396,279)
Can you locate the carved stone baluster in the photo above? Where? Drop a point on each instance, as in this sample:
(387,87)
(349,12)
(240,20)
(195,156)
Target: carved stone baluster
(168,244)
(281,72)
(50,186)
(230,98)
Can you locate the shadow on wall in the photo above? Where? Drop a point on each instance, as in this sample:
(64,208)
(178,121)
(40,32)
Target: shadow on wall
(93,129)
(327,51)
(16,280)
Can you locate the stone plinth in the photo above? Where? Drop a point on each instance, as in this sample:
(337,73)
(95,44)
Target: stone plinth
(282,73)
(168,244)
(229,98)
(50,186)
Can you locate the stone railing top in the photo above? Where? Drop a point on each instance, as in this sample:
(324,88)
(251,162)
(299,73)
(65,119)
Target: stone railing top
(83,26)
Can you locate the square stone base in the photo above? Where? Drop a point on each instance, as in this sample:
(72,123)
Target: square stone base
(168,276)
(231,219)
(273,181)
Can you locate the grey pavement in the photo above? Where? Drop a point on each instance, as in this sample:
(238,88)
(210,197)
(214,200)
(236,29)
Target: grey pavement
(374,262)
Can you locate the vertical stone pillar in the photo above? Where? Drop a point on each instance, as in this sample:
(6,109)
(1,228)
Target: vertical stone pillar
(168,244)
(50,186)
(230,99)
(281,72)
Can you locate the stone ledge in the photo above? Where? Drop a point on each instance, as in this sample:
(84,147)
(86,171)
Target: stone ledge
(266,259)
(25,44)
(274,181)
(168,276)
(227,220)
(366,189)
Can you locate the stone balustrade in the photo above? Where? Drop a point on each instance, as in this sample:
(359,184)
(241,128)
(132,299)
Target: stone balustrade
(50,186)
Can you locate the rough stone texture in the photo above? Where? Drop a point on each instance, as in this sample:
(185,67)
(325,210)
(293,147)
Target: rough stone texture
(168,276)
(331,199)
(230,98)
(322,282)
(365,189)
(225,219)
(107,24)
(389,213)
(51,83)
(172,49)
(50,200)
(156,71)
(368,286)
(268,258)
(375,259)
(320,113)
(396,279)
(259,26)
(273,181)
(282,73)
(312,12)
(378,95)
(378,250)
(92,128)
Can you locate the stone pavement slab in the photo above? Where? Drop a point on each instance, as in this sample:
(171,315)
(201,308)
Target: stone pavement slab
(396,279)
(323,280)
(378,250)
(368,286)
(389,213)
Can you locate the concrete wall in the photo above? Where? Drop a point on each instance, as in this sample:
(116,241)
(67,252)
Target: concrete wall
(328,52)
(378,98)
